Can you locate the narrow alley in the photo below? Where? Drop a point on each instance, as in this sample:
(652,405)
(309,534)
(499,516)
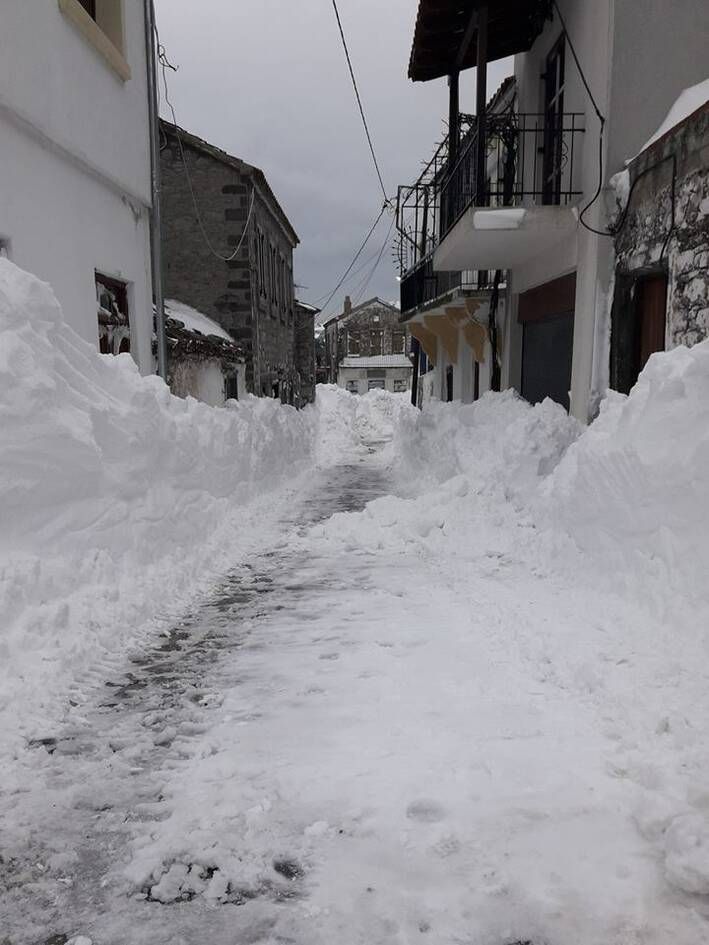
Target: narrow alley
(346,744)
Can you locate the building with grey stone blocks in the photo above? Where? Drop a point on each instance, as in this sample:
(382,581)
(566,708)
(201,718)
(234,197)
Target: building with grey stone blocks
(661,295)
(368,330)
(250,295)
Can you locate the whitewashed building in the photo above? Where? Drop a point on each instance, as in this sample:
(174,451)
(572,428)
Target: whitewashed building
(390,372)
(522,188)
(75,169)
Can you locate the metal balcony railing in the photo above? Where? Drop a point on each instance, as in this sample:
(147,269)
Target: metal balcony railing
(422,284)
(527,160)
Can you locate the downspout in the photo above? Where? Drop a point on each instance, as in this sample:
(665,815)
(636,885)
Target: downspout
(155,215)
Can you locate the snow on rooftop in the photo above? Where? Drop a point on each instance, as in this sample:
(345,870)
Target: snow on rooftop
(377,361)
(687,103)
(194,320)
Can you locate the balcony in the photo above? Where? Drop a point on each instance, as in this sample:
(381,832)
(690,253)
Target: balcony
(451,220)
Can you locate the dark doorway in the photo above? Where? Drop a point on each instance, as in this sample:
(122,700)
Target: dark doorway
(552,164)
(476,379)
(651,308)
(547,347)
(639,323)
(449,384)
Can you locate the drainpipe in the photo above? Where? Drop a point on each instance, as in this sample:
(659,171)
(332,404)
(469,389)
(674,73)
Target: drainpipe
(155,217)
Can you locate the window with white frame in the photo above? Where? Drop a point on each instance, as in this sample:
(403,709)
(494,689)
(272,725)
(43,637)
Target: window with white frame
(101,24)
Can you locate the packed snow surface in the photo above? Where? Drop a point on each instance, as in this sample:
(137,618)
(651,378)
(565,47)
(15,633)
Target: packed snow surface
(361,674)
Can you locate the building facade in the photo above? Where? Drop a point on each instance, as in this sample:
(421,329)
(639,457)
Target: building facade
(661,288)
(305,359)
(75,187)
(366,347)
(524,196)
(203,359)
(231,257)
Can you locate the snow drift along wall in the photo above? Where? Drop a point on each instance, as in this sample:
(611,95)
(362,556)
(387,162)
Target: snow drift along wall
(115,496)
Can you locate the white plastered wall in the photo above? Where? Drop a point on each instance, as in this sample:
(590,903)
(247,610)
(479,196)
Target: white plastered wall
(75,159)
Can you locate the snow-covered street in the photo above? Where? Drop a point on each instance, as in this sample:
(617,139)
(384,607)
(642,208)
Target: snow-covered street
(351,741)
(359,674)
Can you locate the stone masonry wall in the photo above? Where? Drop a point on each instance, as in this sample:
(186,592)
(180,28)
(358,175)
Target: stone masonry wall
(360,329)
(640,242)
(229,292)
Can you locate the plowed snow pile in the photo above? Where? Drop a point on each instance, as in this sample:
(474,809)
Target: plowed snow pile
(116,498)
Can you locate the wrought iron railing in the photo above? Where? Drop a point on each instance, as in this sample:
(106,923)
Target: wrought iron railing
(526,161)
(422,284)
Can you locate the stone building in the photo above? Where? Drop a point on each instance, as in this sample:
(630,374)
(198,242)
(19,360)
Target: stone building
(368,338)
(305,351)
(661,296)
(234,262)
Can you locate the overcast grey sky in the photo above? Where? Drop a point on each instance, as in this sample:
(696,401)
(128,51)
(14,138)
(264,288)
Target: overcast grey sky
(267,81)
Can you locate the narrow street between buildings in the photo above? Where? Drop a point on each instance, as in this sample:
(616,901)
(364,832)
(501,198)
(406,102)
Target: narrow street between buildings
(352,741)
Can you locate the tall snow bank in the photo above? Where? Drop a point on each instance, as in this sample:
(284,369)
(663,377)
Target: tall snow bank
(500,443)
(115,496)
(348,421)
(632,491)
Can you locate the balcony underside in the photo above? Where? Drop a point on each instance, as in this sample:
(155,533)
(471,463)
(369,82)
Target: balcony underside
(504,238)
(459,315)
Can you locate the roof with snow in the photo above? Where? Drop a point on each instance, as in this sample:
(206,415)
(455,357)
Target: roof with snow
(195,321)
(692,100)
(377,361)
(250,170)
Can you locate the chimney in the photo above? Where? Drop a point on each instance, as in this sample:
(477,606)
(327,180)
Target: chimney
(348,305)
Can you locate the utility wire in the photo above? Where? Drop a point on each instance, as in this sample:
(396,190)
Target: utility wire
(356,257)
(363,288)
(602,120)
(359,102)
(165,64)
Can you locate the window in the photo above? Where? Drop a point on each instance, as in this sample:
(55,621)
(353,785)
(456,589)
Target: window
(353,342)
(375,383)
(352,387)
(398,342)
(100,22)
(113,320)
(375,343)
(554,158)
(400,386)
(263,290)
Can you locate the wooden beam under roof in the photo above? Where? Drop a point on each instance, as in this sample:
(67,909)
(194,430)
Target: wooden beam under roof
(441,27)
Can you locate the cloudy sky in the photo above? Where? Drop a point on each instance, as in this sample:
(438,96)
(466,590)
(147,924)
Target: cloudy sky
(267,81)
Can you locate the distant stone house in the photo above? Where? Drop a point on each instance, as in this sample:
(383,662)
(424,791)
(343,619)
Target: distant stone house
(661,295)
(366,347)
(250,295)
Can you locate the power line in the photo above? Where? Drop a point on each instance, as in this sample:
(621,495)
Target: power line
(359,102)
(165,64)
(363,288)
(356,257)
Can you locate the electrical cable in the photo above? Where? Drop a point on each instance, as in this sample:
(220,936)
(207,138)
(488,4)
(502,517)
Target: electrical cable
(363,288)
(356,257)
(359,102)
(165,64)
